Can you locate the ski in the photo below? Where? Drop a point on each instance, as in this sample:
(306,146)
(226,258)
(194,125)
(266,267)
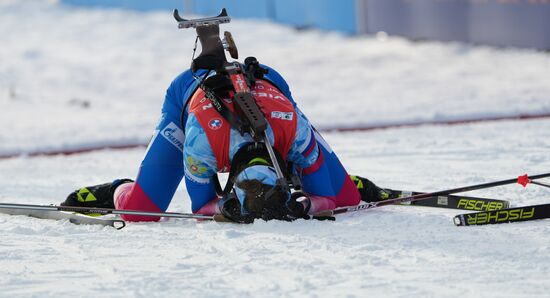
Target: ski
(72,217)
(453,201)
(104,211)
(516,214)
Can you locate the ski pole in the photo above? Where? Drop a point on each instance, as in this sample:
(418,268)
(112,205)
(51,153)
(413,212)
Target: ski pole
(104,211)
(418,197)
(540,183)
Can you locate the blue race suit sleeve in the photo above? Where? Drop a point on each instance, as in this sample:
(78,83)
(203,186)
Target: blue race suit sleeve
(200,165)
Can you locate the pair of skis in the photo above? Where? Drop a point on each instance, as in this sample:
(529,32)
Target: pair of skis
(489,211)
(488,216)
(506,215)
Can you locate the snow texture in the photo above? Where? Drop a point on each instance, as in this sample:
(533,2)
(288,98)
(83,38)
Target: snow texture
(72,78)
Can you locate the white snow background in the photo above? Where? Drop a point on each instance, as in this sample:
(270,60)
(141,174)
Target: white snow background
(73,78)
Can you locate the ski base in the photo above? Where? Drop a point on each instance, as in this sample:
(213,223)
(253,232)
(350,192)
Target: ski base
(454,202)
(72,217)
(517,214)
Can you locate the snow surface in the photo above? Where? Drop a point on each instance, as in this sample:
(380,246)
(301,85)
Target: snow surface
(72,78)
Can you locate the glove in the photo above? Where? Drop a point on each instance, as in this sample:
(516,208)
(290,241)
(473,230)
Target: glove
(230,208)
(99,196)
(298,209)
(288,210)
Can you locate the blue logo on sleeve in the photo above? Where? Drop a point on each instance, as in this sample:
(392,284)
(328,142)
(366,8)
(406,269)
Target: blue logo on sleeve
(174,135)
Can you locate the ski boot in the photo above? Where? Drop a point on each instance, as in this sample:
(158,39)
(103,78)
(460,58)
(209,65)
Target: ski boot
(370,192)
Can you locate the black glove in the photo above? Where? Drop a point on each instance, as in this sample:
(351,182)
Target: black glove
(298,206)
(231,209)
(288,210)
(100,196)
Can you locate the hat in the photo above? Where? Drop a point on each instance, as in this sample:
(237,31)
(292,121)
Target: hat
(256,189)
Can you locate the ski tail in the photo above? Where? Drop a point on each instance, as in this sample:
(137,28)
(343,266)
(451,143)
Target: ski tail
(516,214)
(455,201)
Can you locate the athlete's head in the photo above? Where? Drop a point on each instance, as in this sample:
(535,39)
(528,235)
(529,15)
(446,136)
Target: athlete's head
(257,190)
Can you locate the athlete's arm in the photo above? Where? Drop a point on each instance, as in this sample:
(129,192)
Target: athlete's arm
(200,167)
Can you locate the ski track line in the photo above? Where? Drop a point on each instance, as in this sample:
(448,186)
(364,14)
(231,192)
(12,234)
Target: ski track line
(322,129)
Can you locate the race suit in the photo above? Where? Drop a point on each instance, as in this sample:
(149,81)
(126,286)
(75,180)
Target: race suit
(183,146)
